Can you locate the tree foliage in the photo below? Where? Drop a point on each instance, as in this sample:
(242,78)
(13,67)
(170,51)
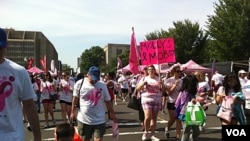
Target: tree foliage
(95,56)
(229,29)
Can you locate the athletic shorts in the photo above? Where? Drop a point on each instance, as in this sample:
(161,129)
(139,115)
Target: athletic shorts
(124,90)
(67,103)
(48,101)
(170,106)
(87,131)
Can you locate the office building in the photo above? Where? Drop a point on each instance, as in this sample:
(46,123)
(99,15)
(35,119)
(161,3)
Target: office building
(23,45)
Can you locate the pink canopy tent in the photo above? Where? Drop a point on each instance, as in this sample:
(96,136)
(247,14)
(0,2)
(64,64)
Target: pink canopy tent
(35,70)
(192,66)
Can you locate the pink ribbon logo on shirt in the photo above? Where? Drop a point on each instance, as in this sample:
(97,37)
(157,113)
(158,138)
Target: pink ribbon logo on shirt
(94,96)
(6,89)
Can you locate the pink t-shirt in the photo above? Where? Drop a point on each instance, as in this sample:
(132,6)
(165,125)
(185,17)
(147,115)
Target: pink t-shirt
(169,83)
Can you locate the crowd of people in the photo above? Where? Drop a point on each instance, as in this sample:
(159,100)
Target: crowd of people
(84,99)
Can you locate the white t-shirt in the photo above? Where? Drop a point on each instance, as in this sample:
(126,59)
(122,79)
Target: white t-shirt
(92,108)
(169,83)
(202,87)
(35,87)
(46,89)
(66,95)
(15,87)
(217,78)
(152,90)
(242,81)
(246,92)
(123,81)
(133,82)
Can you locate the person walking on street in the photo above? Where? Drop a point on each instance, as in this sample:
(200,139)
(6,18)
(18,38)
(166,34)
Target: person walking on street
(246,92)
(187,94)
(92,113)
(231,93)
(123,81)
(151,101)
(173,86)
(16,88)
(48,87)
(66,87)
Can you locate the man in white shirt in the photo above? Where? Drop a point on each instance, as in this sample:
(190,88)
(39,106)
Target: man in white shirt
(91,115)
(16,88)
(123,81)
(217,81)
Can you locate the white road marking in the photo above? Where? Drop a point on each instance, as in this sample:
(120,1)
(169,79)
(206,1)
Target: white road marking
(133,133)
(119,124)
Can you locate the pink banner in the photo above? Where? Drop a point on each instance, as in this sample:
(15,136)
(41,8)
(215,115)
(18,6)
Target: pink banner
(157,51)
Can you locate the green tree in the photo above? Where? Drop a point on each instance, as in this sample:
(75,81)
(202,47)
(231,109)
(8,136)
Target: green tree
(229,29)
(157,35)
(190,41)
(93,56)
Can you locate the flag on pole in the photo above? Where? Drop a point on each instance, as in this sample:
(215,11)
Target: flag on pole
(43,63)
(30,63)
(119,63)
(133,57)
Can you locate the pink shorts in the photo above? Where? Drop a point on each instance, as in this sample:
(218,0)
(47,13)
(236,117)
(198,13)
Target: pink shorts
(155,106)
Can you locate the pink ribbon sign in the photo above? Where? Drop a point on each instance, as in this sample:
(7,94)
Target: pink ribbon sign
(157,51)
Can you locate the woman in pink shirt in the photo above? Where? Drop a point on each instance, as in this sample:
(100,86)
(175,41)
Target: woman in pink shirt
(151,101)
(173,86)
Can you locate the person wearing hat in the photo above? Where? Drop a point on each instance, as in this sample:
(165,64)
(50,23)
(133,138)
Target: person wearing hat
(92,113)
(16,89)
(242,77)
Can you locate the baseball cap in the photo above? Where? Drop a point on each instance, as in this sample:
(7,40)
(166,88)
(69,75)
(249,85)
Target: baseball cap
(3,39)
(242,71)
(94,72)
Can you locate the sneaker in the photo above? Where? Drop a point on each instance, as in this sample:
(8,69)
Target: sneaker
(154,138)
(123,100)
(54,121)
(46,125)
(144,136)
(115,103)
(28,127)
(202,128)
(163,112)
(167,132)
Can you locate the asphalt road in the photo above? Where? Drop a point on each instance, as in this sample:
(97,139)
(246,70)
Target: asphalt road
(130,129)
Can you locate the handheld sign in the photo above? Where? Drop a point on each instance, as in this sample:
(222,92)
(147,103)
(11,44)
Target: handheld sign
(157,51)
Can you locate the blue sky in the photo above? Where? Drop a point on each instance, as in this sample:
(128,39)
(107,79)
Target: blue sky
(75,25)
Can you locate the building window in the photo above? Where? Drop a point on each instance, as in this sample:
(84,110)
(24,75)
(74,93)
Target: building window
(118,52)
